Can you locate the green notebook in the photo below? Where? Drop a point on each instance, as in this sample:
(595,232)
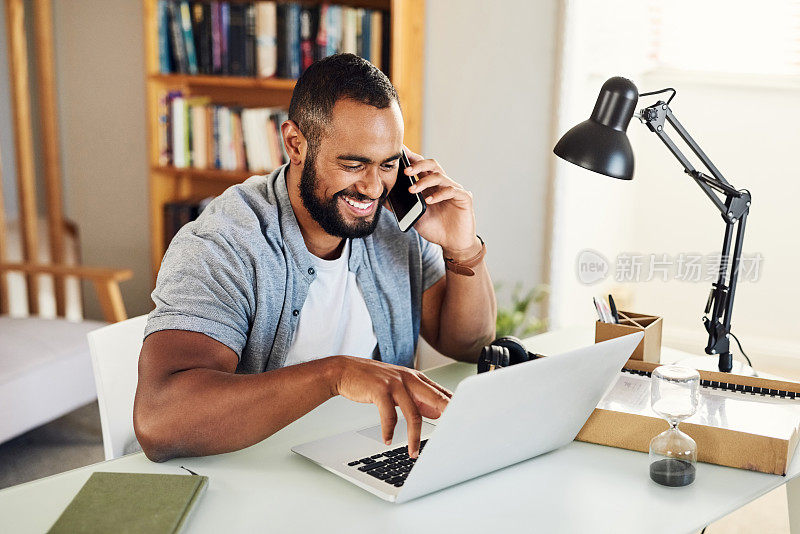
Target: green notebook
(132,503)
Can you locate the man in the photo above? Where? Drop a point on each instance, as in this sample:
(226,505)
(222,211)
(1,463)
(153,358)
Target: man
(296,287)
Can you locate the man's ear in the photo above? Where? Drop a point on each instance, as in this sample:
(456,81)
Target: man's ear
(294,141)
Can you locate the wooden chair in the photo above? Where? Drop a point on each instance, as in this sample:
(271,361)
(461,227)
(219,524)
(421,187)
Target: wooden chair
(45,366)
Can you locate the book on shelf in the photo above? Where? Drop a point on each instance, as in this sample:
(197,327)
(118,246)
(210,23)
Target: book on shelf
(264,38)
(177,45)
(188,36)
(164,52)
(194,133)
(201,29)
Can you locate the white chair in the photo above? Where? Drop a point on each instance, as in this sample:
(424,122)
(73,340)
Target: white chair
(115,356)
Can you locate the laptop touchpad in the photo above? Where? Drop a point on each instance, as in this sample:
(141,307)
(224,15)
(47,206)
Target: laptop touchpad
(400,432)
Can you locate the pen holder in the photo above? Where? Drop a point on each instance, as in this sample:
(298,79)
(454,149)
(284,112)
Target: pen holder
(649,349)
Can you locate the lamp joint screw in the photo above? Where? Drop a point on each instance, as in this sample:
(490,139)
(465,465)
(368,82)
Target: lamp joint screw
(730,214)
(664,107)
(748,204)
(713,351)
(659,127)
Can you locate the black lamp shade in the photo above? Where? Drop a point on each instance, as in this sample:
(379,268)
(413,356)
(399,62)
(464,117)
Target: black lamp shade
(600,143)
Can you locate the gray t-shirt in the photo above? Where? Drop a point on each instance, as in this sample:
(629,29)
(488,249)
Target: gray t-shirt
(240,274)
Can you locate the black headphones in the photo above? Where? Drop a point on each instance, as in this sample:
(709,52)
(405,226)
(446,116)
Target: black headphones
(502,352)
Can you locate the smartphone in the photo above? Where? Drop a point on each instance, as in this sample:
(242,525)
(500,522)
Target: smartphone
(407,207)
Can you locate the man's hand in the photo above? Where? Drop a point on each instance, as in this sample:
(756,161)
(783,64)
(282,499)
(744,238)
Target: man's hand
(387,386)
(449,219)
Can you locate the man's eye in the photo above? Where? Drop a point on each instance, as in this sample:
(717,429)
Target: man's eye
(352,167)
(389,166)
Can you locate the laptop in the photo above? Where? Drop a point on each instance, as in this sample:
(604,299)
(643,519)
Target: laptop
(493,420)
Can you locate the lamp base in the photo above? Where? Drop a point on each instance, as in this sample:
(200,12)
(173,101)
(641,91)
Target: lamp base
(711,363)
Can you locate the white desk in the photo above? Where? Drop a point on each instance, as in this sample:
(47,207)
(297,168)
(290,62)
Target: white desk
(579,488)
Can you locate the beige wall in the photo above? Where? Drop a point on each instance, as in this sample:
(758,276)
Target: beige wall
(489,72)
(100,71)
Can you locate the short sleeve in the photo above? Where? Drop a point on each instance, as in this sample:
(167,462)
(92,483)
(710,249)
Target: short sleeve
(432,263)
(204,286)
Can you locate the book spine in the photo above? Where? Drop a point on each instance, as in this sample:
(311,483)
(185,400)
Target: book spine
(237,135)
(349,44)
(308,14)
(251,148)
(201,27)
(334,30)
(199,154)
(178,132)
(250,40)
(163,125)
(224,24)
(266,39)
(263,126)
(295,62)
(216,138)
(209,135)
(188,37)
(385,33)
(282,40)
(359,32)
(176,34)
(366,34)
(376,39)
(216,36)
(236,41)
(321,37)
(164,59)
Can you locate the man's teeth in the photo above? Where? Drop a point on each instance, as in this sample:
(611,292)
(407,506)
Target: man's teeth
(359,205)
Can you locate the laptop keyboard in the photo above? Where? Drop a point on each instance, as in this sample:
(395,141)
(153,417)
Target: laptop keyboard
(391,466)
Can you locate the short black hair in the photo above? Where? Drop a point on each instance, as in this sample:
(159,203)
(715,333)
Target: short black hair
(333,78)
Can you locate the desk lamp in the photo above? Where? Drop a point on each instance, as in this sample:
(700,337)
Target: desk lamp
(600,144)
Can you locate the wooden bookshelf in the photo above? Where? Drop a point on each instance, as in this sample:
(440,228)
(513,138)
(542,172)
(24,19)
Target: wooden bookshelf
(167,184)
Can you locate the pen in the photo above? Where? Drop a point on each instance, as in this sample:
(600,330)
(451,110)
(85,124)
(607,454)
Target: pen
(613,309)
(600,311)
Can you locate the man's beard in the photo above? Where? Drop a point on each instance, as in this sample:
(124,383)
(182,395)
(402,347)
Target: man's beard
(327,213)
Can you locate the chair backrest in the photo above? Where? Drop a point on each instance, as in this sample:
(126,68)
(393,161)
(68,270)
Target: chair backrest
(115,356)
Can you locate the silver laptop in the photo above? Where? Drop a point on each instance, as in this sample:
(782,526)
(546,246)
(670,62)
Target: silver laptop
(516,413)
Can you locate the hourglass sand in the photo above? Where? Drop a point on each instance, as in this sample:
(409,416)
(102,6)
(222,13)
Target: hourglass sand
(674,394)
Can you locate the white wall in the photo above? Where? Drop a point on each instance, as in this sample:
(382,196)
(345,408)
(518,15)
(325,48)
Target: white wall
(488,97)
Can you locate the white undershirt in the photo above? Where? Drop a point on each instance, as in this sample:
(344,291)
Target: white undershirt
(334,319)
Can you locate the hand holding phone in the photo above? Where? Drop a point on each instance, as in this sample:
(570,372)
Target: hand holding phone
(407,207)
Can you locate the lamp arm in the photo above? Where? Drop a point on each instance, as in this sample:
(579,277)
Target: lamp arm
(734,210)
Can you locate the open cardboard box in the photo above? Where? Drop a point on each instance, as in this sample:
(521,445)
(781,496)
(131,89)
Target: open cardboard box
(649,350)
(714,445)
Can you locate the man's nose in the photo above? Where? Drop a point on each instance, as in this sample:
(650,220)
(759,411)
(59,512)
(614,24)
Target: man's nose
(370,184)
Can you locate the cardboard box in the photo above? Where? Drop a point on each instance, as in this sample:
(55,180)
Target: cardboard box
(714,445)
(649,350)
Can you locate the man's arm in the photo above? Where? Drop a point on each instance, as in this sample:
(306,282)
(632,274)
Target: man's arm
(459,312)
(189,401)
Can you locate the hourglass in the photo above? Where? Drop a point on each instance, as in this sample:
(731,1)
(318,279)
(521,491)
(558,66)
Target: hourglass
(674,394)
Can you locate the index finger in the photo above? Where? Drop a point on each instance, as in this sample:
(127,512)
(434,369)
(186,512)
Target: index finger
(412,156)
(413,420)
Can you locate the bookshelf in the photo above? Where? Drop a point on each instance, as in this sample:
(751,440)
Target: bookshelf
(167,184)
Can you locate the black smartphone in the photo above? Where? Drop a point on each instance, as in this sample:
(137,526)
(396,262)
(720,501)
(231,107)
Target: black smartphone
(407,207)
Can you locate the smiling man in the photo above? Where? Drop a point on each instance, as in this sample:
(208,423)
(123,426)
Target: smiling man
(295,287)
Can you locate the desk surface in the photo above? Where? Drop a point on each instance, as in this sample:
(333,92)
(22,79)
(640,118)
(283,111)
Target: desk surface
(578,488)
